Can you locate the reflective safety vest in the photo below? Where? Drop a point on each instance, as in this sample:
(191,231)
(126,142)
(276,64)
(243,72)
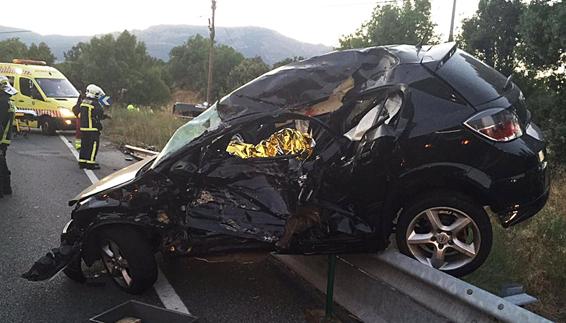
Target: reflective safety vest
(90,116)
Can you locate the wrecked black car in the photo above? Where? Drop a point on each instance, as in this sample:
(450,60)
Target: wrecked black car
(332,154)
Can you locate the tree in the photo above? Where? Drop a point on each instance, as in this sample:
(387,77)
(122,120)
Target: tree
(543,53)
(543,33)
(529,40)
(287,60)
(12,48)
(492,33)
(247,70)
(15,48)
(121,66)
(393,24)
(226,59)
(41,52)
(188,65)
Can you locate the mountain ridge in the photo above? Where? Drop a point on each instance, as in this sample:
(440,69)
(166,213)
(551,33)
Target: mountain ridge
(251,41)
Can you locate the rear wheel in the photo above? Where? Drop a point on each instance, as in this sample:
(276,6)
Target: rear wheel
(128,258)
(447,231)
(48,126)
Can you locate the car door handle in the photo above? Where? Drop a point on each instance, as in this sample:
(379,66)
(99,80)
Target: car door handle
(21,101)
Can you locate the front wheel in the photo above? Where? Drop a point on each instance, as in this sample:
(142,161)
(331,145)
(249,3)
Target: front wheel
(447,231)
(128,258)
(48,127)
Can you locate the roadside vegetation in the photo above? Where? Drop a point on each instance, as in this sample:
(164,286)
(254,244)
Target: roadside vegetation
(532,254)
(145,128)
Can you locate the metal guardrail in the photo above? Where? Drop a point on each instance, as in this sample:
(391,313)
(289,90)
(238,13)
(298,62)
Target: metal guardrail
(139,153)
(183,117)
(391,287)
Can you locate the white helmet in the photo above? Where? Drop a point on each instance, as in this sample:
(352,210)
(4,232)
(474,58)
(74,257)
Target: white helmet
(94,92)
(6,86)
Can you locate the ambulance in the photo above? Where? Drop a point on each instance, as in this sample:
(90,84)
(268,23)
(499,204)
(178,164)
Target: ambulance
(45,95)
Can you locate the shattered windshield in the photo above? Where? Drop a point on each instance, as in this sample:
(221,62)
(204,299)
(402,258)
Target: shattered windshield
(206,121)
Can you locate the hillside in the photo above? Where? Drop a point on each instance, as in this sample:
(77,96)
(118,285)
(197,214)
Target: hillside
(250,41)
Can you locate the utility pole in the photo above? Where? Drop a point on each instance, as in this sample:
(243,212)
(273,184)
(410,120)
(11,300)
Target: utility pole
(210,54)
(451,35)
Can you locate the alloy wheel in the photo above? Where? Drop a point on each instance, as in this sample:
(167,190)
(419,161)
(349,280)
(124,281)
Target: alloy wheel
(116,264)
(444,238)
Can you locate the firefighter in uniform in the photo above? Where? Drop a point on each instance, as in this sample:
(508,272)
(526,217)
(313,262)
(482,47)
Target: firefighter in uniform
(77,112)
(7,113)
(91,113)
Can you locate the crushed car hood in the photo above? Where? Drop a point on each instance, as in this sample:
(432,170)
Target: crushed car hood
(123,176)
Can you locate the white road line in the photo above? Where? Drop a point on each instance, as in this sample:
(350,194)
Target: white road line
(162,287)
(167,294)
(89,173)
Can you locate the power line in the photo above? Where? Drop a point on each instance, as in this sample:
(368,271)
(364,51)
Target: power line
(359,3)
(15,31)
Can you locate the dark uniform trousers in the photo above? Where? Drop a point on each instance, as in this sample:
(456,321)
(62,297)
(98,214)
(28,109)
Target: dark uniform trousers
(90,141)
(5,185)
(5,134)
(90,116)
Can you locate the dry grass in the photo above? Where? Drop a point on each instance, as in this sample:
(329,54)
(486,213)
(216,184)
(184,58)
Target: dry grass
(144,128)
(533,254)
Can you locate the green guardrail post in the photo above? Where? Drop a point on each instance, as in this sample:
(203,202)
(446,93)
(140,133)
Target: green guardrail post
(329,309)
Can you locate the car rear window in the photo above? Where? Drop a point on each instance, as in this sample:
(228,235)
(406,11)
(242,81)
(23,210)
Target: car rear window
(476,81)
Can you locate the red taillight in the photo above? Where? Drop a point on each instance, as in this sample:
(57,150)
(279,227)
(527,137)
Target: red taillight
(496,124)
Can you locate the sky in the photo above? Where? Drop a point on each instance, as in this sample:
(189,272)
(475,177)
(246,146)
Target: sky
(313,21)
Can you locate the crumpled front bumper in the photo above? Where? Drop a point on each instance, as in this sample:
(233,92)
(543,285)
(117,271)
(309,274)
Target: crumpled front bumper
(58,258)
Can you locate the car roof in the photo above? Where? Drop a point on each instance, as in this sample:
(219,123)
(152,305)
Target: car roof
(300,84)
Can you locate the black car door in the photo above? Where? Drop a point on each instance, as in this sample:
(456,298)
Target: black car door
(244,197)
(375,149)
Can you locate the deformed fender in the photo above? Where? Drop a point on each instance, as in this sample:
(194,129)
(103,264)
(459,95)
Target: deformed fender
(449,176)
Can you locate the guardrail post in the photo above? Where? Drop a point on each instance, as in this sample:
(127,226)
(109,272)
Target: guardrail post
(329,310)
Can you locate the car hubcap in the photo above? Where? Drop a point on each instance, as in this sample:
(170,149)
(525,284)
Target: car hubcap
(443,238)
(116,264)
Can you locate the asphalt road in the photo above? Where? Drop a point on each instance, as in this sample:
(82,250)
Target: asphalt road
(45,175)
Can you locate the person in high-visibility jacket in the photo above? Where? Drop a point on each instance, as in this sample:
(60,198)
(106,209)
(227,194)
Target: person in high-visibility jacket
(77,112)
(7,114)
(91,113)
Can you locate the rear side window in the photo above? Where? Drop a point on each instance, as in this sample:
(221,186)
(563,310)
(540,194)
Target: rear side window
(475,80)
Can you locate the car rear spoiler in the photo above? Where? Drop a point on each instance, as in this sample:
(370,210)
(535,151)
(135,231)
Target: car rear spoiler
(437,55)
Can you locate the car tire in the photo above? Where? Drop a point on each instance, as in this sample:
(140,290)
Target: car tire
(48,126)
(128,257)
(447,231)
